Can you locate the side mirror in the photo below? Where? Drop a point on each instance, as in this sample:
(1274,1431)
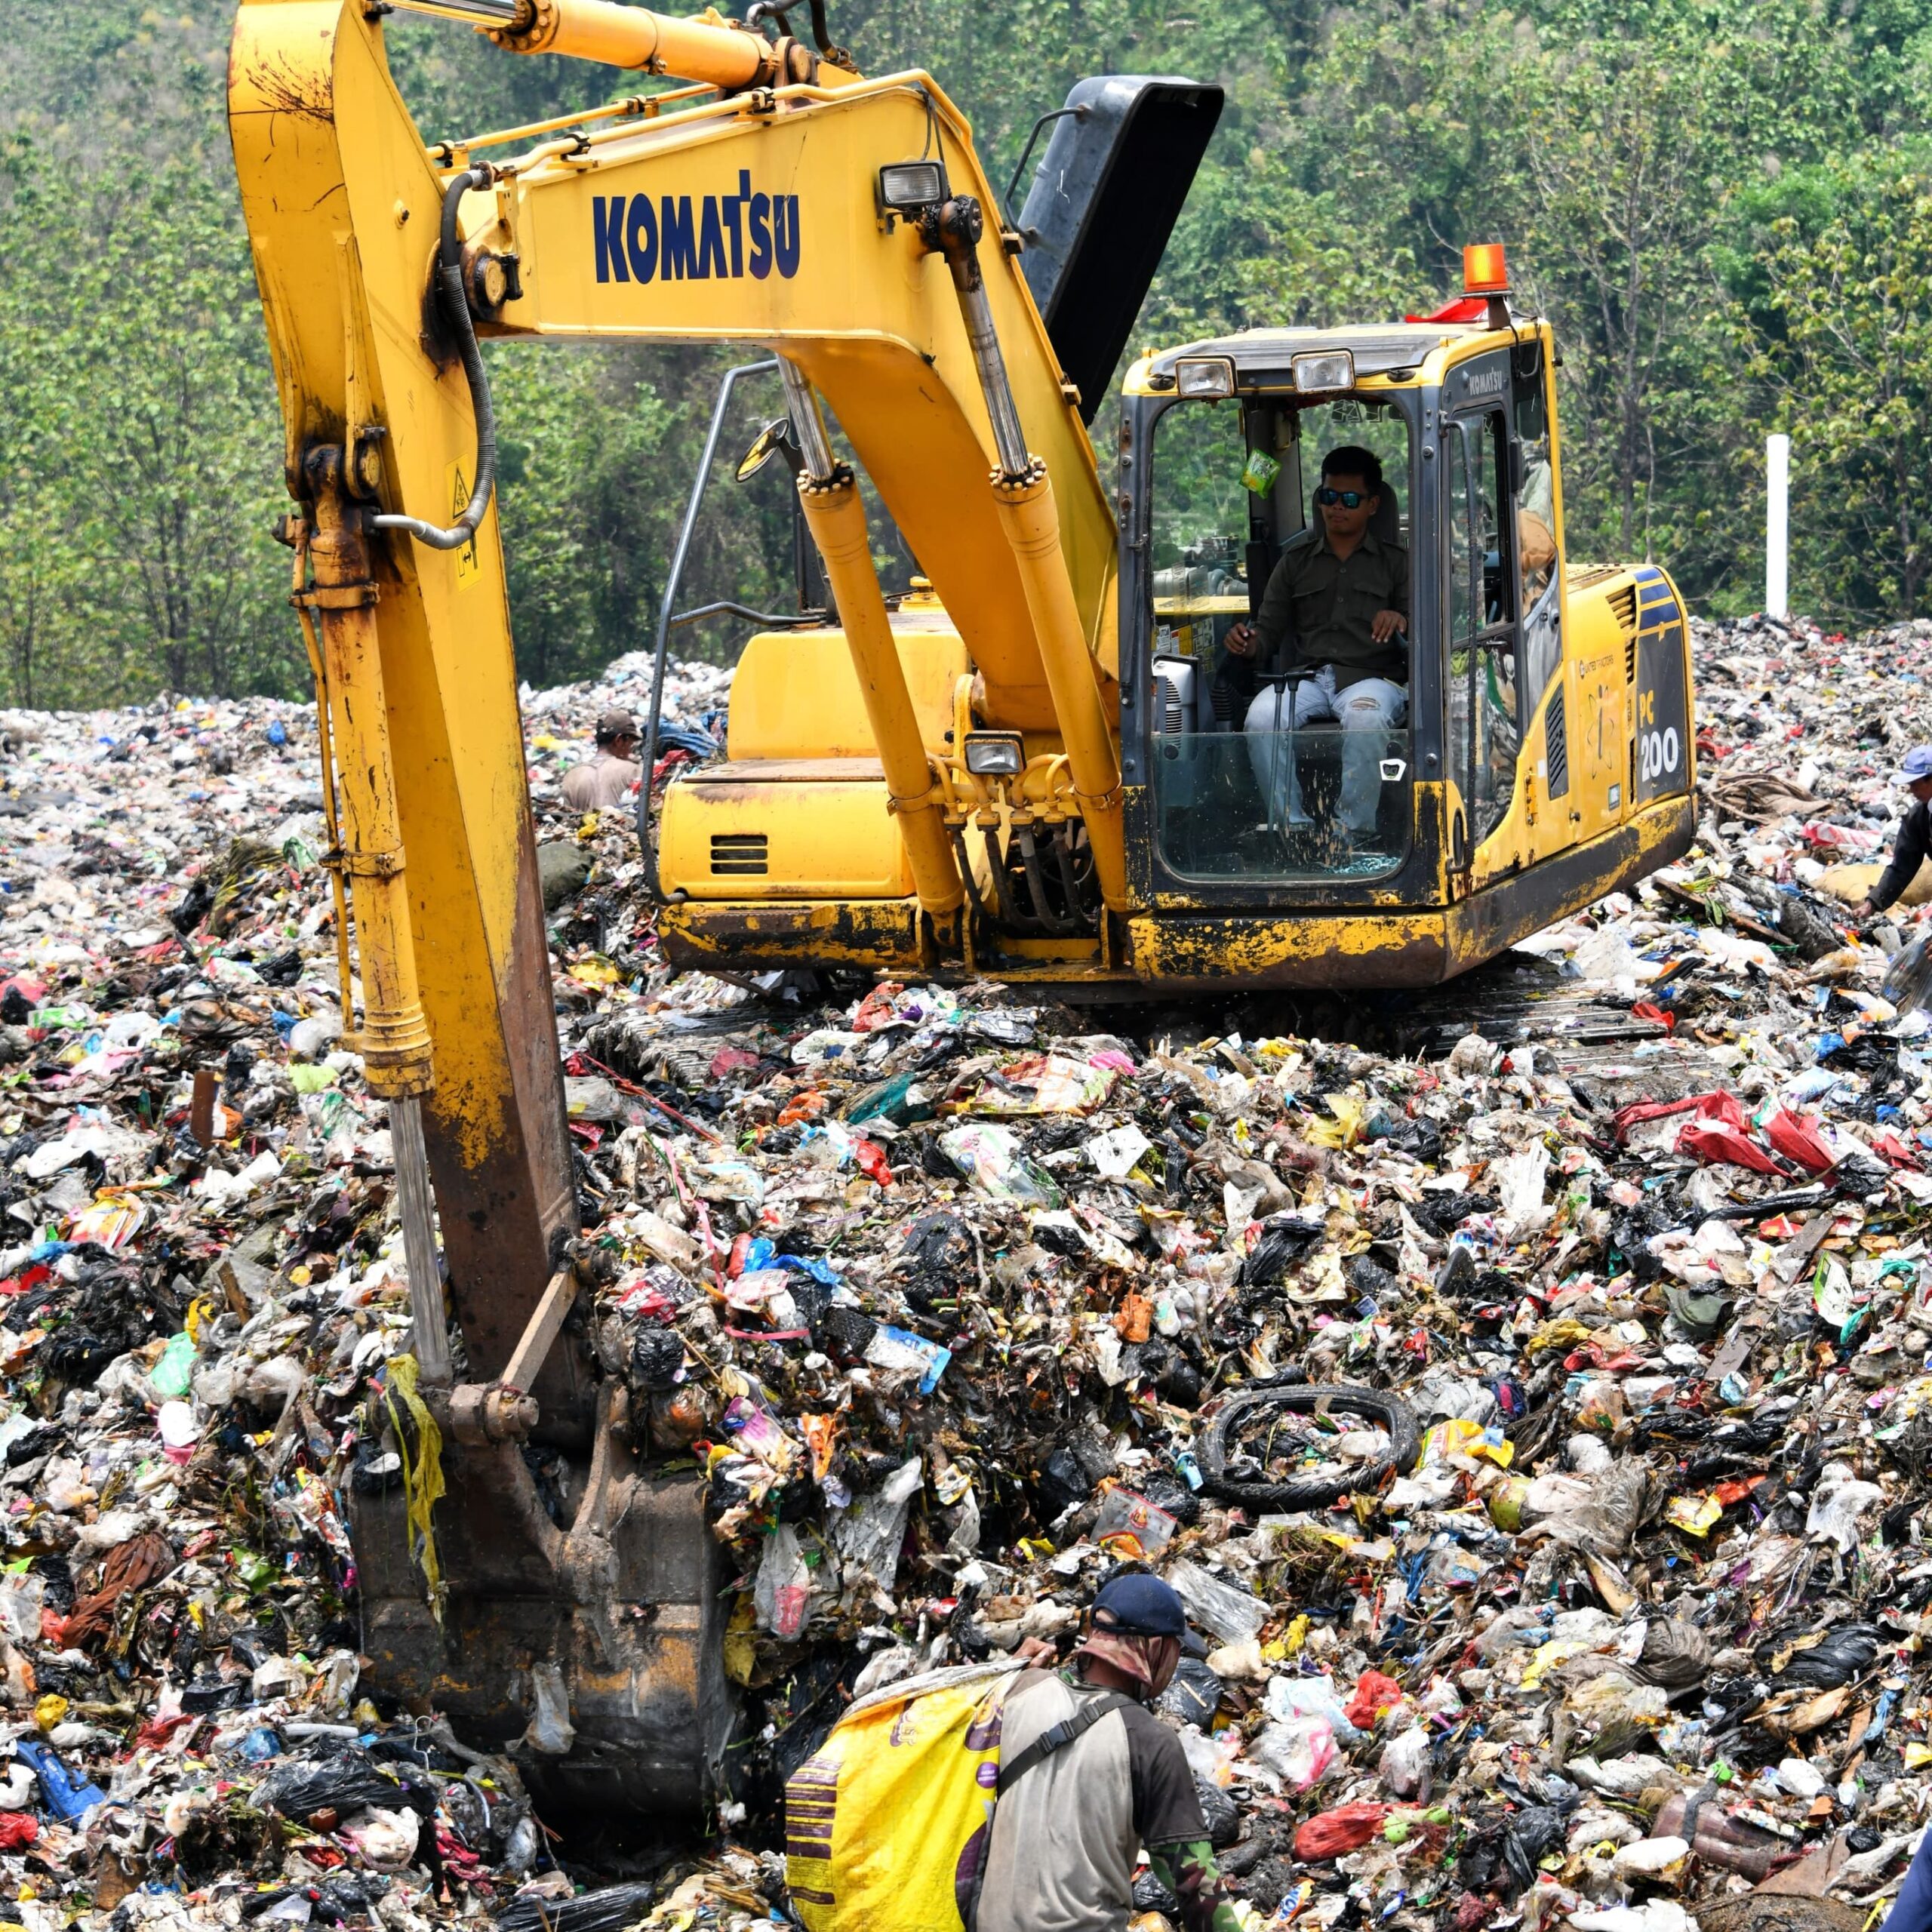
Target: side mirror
(774,438)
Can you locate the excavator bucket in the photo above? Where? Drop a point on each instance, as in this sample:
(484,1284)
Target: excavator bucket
(1105,198)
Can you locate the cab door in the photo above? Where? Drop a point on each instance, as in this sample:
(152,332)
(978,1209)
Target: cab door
(1482,599)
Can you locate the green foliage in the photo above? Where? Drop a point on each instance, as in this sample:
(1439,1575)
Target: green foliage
(1846,338)
(1722,205)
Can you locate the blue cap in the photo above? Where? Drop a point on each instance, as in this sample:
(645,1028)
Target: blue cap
(1917,764)
(1144,1606)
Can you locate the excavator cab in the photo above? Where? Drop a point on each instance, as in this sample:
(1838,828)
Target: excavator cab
(1259,800)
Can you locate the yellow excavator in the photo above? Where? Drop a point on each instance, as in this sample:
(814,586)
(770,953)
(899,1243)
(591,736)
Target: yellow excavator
(1034,761)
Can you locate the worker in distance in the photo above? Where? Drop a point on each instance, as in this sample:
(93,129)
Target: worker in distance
(1089,1777)
(1331,642)
(603,779)
(1914,838)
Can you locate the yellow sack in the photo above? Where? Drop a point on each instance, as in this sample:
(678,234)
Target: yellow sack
(887,1824)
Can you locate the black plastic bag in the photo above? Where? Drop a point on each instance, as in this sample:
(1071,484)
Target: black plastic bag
(609,1910)
(1285,1239)
(1063,1482)
(1150,1895)
(657,1359)
(1845,1653)
(1194,1694)
(1220,1812)
(343,1782)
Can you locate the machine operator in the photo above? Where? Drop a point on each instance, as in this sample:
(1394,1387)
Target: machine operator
(1333,639)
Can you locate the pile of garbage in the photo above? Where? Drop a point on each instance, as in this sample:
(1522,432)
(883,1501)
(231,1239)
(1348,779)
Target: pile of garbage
(1528,1388)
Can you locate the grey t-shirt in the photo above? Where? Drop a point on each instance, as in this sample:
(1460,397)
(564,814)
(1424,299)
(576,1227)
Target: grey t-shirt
(1066,1835)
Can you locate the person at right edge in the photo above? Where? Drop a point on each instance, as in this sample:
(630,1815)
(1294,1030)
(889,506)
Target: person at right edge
(1914,837)
(1911,1910)
(1069,1821)
(1336,615)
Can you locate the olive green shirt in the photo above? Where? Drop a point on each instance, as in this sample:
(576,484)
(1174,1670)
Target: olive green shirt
(1328,604)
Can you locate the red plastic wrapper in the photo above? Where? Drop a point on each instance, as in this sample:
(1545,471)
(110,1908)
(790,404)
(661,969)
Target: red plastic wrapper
(1794,1137)
(1716,1106)
(1347,1827)
(871,1158)
(1374,1694)
(1709,1142)
(17,1828)
(876,1009)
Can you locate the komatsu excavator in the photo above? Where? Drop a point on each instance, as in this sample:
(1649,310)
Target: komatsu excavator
(1030,762)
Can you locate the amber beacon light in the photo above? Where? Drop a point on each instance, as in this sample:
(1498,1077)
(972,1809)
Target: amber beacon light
(1485,271)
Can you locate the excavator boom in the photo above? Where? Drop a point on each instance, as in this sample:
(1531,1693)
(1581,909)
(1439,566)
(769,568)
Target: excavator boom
(786,201)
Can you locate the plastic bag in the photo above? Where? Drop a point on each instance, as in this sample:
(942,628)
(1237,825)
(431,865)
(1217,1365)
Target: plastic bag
(1374,1693)
(1405,1763)
(783,1593)
(1347,1827)
(1908,978)
(867,1535)
(170,1375)
(550,1730)
(1233,1615)
(343,1781)
(610,1909)
(20,1600)
(991,1158)
(1193,1694)
(1838,1507)
(387,1837)
(1301,1752)
(1220,1813)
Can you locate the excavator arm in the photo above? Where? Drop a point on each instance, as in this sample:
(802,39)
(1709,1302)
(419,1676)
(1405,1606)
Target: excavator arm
(781,200)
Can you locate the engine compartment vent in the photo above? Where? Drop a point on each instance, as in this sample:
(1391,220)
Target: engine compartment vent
(1556,747)
(739,855)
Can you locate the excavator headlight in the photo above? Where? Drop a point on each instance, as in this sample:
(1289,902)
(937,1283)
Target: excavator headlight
(995,753)
(1204,377)
(906,186)
(1324,370)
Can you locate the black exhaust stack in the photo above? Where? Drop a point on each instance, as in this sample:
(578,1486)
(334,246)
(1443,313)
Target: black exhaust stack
(1104,200)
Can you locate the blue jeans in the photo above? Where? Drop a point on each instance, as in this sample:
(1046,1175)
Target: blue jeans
(1366,709)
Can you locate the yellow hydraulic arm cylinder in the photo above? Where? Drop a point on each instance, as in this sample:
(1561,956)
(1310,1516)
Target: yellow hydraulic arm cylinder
(714,49)
(829,493)
(395,1039)
(1023,492)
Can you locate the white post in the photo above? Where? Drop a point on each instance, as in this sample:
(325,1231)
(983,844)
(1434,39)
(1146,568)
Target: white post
(1777,526)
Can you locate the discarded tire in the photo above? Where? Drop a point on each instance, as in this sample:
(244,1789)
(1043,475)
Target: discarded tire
(1241,1412)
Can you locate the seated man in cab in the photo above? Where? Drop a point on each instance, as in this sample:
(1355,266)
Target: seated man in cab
(1334,618)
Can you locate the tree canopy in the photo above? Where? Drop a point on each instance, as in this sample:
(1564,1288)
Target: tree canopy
(1722,205)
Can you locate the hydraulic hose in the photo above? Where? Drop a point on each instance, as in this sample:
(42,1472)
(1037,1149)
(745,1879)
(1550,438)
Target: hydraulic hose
(1242,1410)
(456,305)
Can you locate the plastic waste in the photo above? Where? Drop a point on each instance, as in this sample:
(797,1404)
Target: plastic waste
(68,1796)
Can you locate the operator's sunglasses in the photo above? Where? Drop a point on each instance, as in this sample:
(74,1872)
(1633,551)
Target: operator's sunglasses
(1350,500)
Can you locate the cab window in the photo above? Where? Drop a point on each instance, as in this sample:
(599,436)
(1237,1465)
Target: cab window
(1269,761)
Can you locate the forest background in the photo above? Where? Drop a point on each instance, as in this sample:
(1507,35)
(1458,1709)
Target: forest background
(1725,205)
